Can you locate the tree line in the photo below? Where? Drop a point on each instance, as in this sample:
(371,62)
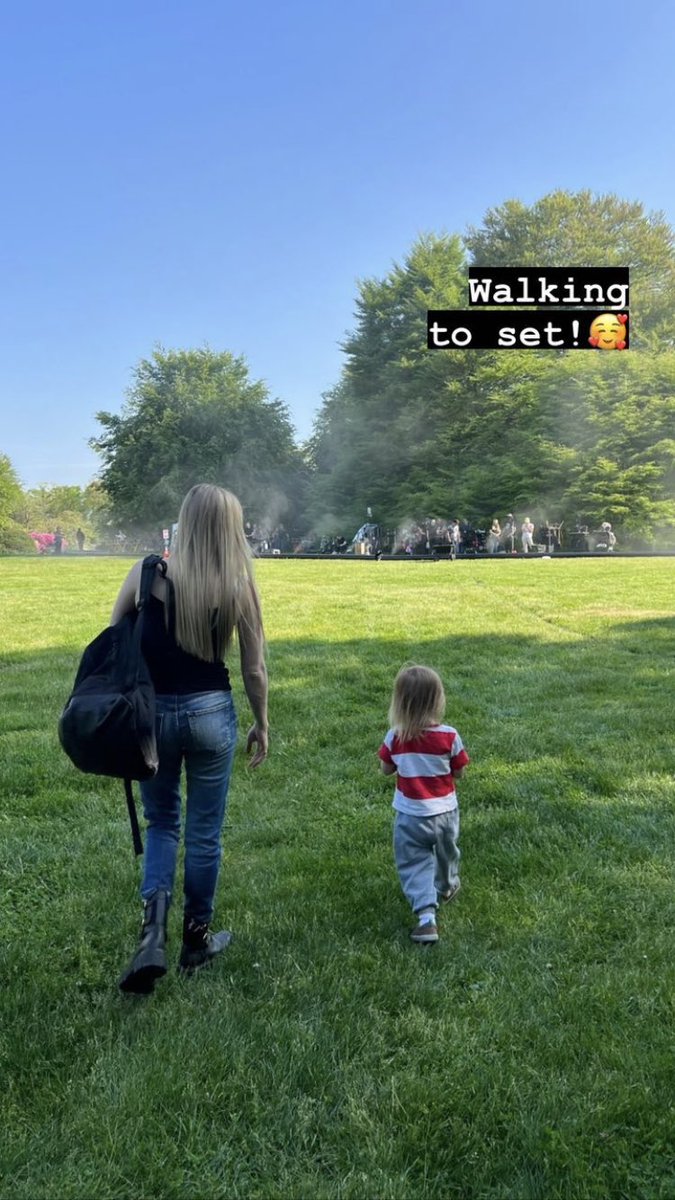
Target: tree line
(407,433)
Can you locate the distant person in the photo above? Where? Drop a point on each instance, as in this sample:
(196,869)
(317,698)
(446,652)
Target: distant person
(184,646)
(526,532)
(79,538)
(609,536)
(579,537)
(58,541)
(429,757)
(466,535)
(509,533)
(494,537)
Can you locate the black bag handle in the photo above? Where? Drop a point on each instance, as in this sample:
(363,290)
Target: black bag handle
(150,564)
(133,818)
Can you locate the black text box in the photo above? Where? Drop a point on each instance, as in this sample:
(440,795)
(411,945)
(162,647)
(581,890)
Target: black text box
(564,329)
(598,287)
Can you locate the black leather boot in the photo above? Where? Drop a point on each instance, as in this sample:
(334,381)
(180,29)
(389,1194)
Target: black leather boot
(200,946)
(149,961)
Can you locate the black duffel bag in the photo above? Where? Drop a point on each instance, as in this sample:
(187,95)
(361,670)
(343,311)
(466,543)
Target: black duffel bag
(108,724)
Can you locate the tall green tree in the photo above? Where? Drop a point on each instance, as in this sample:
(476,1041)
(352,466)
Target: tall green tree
(10,490)
(578,229)
(12,537)
(379,422)
(477,433)
(620,419)
(600,421)
(195,416)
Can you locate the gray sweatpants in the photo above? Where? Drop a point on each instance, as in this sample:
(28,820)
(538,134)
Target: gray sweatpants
(427,856)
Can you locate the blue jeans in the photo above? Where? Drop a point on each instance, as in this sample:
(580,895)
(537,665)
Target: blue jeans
(202,730)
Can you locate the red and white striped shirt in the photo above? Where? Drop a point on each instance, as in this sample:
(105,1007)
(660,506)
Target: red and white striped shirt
(424,765)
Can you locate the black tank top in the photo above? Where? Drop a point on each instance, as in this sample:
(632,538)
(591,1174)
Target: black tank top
(173,671)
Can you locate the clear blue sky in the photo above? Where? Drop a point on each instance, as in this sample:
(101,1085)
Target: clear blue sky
(216,173)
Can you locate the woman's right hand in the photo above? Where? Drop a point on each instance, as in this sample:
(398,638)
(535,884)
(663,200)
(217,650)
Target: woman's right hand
(259,736)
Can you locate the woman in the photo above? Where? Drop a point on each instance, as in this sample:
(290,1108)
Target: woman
(526,535)
(494,537)
(187,629)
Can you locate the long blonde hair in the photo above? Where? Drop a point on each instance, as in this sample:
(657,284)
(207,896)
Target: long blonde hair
(418,700)
(212,572)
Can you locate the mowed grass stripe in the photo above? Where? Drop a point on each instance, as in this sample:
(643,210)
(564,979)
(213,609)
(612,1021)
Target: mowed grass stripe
(528,1055)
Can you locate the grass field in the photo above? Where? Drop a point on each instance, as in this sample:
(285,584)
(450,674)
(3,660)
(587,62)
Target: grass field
(528,1055)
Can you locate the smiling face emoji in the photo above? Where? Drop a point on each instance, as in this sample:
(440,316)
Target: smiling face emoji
(608,332)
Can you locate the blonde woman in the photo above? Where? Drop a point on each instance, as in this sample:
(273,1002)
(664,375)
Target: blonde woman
(188,628)
(427,756)
(494,537)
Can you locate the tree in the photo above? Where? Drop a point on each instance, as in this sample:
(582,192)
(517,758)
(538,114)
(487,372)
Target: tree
(10,491)
(577,229)
(603,422)
(473,433)
(621,419)
(381,418)
(69,508)
(194,416)
(12,537)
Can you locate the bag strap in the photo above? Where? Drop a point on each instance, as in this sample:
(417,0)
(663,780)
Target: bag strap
(150,564)
(148,569)
(170,590)
(133,818)
(170,598)
(133,662)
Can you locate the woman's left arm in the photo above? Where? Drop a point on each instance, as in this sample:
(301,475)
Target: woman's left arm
(126,599)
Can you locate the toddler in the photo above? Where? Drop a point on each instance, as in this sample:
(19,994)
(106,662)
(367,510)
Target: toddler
(428,756)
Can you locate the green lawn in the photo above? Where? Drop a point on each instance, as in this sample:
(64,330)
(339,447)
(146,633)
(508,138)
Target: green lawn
(528,1055)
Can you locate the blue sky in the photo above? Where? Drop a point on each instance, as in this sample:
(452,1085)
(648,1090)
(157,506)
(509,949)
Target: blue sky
(216,174)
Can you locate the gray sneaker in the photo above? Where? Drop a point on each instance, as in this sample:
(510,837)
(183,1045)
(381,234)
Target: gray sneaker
(446,897)
(426,932)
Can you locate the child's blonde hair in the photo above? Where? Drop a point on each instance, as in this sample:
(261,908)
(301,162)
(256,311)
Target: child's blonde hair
(418,700)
